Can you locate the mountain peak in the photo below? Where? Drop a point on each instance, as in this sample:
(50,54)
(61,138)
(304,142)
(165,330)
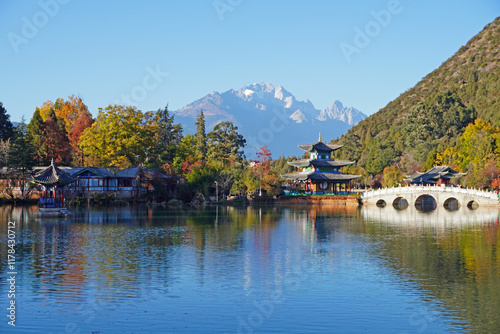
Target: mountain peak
(269,115)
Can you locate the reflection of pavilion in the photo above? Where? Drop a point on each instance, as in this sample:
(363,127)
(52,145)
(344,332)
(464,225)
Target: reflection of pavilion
(52,181)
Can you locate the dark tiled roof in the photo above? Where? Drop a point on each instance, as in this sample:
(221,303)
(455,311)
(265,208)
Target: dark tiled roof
(332,177)
(99,171)
(331,163)
(151,173)
(320,146)
(296,176)
(52,175)
(129,172)
(321,176)
(104,172)
(320,163)
(433,174)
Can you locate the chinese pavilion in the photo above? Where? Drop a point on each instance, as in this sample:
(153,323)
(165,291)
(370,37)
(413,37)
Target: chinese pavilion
(320,174)
(437,175)
(52,180)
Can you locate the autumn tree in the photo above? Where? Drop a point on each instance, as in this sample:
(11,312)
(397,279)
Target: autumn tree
(48,107)
(495,184)
(71,110)
(83,122)
(56,143)
(119,137)
(262,166)
(4,152)
(392,176)
(225,143)
(479,144)
(73,117)
(491,173)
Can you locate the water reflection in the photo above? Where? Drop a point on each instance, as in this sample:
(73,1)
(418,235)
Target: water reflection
(333,268)
(453,257)
(440,217)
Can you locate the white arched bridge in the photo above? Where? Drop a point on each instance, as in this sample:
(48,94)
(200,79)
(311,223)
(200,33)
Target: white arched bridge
(442,196)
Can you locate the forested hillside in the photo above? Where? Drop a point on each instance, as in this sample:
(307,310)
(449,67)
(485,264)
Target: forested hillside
(426,124)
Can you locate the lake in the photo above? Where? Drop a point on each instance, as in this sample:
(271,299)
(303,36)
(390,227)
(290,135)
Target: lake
(300,269)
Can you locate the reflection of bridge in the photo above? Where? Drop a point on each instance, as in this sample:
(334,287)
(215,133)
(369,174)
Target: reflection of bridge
(441,194)
(439,218)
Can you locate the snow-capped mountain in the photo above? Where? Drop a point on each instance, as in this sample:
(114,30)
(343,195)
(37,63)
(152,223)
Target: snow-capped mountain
(272,116)
(336,110)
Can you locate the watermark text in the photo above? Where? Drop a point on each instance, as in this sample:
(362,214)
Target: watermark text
(11,273)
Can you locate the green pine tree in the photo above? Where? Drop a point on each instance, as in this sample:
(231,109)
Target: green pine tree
(201,136)
(21,157)
(6,128)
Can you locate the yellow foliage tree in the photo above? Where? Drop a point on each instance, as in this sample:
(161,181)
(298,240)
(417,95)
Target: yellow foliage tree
(478,143)
(119,137)
(393,176)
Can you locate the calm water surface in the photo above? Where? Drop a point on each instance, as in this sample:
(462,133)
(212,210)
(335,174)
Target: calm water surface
(253,270)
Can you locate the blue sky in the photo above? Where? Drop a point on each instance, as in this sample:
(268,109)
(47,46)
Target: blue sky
(150,53)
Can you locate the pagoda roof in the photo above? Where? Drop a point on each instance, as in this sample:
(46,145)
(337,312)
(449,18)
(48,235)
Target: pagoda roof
(332,177)
(320,163)
(319,146)
(52,175)
(320,176)
(433,175)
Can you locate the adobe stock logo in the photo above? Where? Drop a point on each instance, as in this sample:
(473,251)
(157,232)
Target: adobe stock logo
(371,30)
(223,6)
(30,27)
(150,81)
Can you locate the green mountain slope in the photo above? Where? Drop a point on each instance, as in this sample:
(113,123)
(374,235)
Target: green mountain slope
(430,117)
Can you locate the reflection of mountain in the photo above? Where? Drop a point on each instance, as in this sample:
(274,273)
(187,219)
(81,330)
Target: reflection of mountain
(452,257)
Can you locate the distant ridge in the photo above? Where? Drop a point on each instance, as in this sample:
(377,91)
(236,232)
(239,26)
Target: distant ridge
(470,77)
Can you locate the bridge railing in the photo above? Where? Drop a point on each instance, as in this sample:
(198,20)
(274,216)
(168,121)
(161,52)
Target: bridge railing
(428,189)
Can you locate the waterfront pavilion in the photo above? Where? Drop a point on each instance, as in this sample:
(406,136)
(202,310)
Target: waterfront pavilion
(52,181)
(321,172)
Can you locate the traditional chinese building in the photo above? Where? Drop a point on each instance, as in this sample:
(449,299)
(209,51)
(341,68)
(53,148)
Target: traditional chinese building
(321,173)
(51,182)
(437,175)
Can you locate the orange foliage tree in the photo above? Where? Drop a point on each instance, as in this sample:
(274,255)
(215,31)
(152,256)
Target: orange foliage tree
(83,122)
(495,184)
(73,118)
(56,142)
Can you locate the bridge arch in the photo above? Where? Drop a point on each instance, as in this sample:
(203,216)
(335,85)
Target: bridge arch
(472,205)
(400,203)
(451,204)
(426,202)
(381,203)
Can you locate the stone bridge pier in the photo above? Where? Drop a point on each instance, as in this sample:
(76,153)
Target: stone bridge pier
(442,195)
